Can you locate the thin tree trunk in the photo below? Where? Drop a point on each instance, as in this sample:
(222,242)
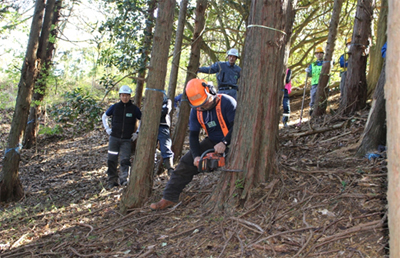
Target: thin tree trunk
(355,87)
(173,78)
(375,129)
(321,102)
(255,135)
(10,185)
(141,178)
(392,93)
(376,61)
(148,39)
(183,119)
(45,53)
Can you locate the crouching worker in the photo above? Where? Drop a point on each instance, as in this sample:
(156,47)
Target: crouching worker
(124,115)
(214,113)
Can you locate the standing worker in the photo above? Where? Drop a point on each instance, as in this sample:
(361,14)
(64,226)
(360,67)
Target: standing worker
(228,73)
(343,62)
(164,136)
(215,114)
(286,100)
(124,115)
(313,71)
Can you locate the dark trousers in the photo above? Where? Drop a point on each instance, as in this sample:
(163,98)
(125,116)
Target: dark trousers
(184,172)
(122,148)
(286,106)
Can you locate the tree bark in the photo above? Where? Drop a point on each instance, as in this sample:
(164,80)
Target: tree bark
(148,39)
(321,102)
(183,119)
(355,87)
(375,129)
(376,61)
(392,93)
(173,78)
(10,185)
(45,54)
(255,136)
(141,178)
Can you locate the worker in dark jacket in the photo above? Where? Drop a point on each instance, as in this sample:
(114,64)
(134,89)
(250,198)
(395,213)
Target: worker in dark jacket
(215,114)
(164,136)
(228,73)
(124,116)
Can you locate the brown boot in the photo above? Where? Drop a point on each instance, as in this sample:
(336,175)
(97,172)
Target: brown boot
(161,205)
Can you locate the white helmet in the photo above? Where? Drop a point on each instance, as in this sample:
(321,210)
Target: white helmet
(125,89)
(233,52)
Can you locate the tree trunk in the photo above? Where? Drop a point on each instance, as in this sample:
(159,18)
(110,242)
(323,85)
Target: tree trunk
(141,178)
(355,87)
(321,102)
(45,53)
(173,78)
(392,93)
(148,38)
(255,136)
(10,185)
(183,119)
(375,129)
(376,61)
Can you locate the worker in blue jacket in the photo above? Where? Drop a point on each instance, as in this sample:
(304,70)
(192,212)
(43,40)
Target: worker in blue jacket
(228,73)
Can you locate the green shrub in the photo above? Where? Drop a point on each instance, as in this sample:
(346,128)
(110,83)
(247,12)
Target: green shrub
(79,110)
(51,131)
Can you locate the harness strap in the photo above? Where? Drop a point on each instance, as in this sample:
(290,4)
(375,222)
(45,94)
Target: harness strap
(220,117)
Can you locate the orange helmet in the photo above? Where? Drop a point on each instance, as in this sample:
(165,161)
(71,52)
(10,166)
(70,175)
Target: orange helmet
(348,41)
(197,93)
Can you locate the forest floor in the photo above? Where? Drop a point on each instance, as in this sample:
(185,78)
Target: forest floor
(325,201)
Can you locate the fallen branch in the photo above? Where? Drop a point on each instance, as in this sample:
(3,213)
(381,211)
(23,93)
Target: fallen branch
(261,231)
(314,131)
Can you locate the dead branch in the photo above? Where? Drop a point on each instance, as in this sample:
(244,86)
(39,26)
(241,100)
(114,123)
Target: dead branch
(314,131)
(261,231)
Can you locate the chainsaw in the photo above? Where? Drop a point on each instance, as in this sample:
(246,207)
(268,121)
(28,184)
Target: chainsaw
(211,161)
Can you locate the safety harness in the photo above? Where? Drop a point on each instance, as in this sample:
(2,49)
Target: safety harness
(220,117)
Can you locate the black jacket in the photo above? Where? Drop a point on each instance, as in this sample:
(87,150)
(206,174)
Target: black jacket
(124,117)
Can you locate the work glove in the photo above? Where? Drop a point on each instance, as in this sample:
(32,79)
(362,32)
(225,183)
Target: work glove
(134,136)
(108,131)
(308,70)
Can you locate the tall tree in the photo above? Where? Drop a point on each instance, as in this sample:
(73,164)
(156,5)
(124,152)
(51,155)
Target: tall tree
(183,120)
(141,178)
(322,90)
(145,51)
(173,78)
(355,87)
(376,61)
(10,185)
(375,129)
(392,93)
(255,135)
(45,54)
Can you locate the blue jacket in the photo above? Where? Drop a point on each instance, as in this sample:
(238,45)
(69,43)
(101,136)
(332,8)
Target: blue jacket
(383,50)
(227,75)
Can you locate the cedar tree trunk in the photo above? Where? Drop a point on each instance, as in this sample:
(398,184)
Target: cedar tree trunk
(355,88)
(184,111)
(376,61)
(141,178)
(375,129)
(392,93)
(148,39)
(173,78)
(321,102)
(45,53)
(255,136)
(10,185)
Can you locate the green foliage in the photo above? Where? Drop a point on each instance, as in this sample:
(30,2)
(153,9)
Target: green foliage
(51,131)
(80,110)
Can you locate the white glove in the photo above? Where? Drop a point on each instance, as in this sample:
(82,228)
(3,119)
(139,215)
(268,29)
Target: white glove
(108,130)
(308,70)
(134,136)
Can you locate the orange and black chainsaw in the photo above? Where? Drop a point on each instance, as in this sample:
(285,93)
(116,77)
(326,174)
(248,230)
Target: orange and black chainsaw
(211,161)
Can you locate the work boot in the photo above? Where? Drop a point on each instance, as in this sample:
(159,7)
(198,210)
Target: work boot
(168,164)
(161,205)
(111,184)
